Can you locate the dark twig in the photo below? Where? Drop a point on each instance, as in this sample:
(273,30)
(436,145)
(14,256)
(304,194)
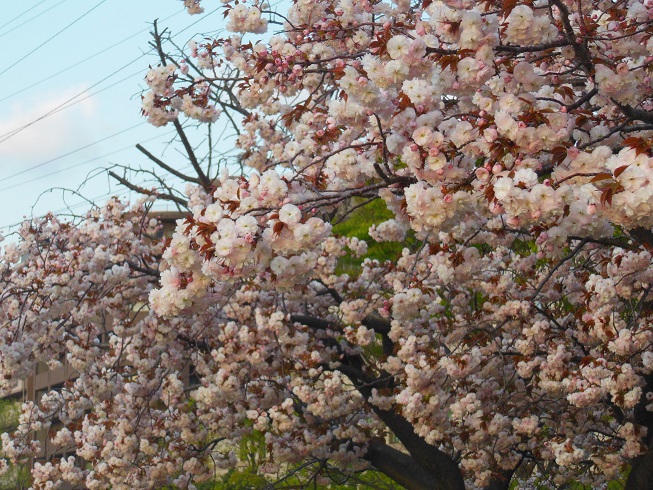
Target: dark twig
(557,266)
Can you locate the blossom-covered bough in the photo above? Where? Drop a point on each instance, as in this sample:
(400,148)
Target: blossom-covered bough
(509,140)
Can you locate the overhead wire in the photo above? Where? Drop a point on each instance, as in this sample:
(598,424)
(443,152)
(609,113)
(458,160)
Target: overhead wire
(80,62)
(21,14)
(4,137)
(85,162)
(87,200)
(90,200)
(101,196)
(70,103)
(40,45)
(72,152)
(31,18)
(63,106)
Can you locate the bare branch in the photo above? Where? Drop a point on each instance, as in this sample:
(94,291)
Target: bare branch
(400,467)
(557,266)
(148,192)
(166,167)
(534,48)
(203,179)
(637,114)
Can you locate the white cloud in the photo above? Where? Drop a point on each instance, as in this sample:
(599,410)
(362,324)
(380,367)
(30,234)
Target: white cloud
(51,135)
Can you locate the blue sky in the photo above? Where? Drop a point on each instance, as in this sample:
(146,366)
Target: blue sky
(100,121)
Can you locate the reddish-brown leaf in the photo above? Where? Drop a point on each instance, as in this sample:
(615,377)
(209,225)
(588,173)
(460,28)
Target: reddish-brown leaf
(586,360)
(638,144)
(601,176)
(606,197)
(489,193)
(619,170)
(508,5)
(558,154)
(565,90)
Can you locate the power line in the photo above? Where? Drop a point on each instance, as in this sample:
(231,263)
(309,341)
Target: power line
(117,82)
(89,200)
(85,162)
(23,13)
(184,168)
(40,45)
(4,137)
(197,21)
(105,195)
(31,19)
(74,65)
(63,106)
(72,152)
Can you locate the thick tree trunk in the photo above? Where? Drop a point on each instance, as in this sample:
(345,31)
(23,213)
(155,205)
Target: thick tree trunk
(641,473)
(426,467)
(501,481)
(443,471)
(403,469)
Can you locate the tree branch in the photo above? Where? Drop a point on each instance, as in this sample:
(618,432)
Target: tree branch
(643,237)
(167,167)
(583,99)
(145,270)
(202,345)
(580,49)
(148,192)
(641,473)
(532,49)
(638,114)
(399,466)
(312,322)
(608,242)
(501,481)
(381,326)
(557,266)
(377,323)
(443,469)
(203,179)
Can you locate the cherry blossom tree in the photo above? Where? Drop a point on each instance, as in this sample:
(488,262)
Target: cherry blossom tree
(510,341)
(73,291)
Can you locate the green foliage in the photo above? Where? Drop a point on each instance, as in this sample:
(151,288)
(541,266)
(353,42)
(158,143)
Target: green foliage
(307,475)
(612,485)
(357,224)
(15,477)
(9,413)
(241,479)
(303,477)
(367,480)
(524,247)
(252,450)
(483,248)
